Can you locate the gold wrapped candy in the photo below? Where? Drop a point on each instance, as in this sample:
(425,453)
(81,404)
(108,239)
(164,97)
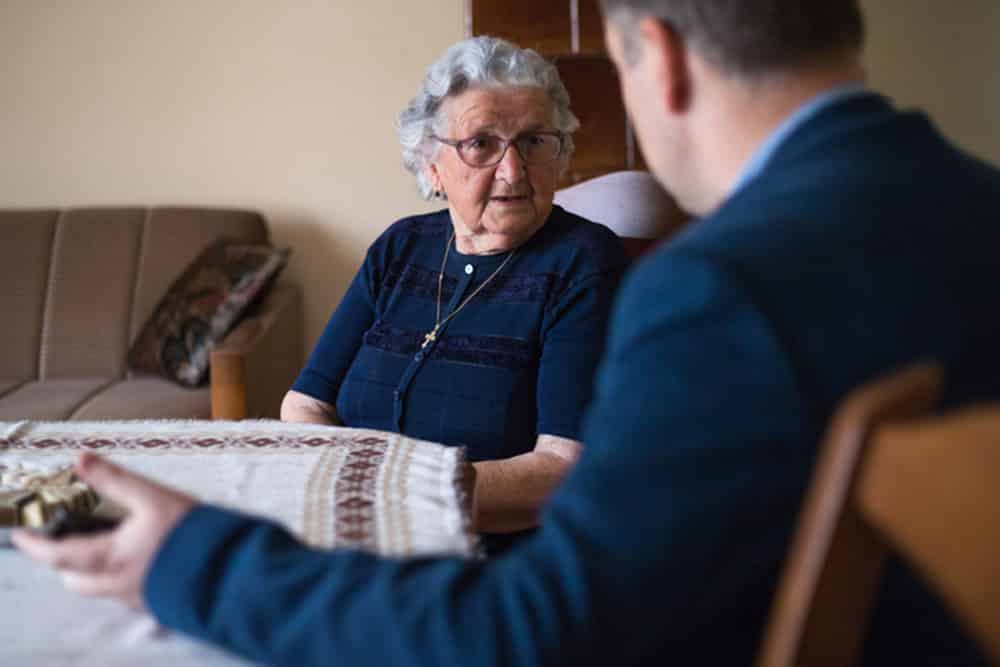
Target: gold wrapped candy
(38,496)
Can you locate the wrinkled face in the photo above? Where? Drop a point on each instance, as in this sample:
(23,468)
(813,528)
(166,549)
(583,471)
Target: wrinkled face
(496,208)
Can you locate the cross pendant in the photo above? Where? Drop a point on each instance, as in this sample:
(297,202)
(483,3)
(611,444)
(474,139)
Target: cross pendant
(429,338)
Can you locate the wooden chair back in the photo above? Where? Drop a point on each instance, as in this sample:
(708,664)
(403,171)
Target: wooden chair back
(892,478)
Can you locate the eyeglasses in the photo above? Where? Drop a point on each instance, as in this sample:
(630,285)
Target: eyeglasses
(487,150)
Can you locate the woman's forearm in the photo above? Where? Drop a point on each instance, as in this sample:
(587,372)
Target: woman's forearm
(298,407)
(511,492)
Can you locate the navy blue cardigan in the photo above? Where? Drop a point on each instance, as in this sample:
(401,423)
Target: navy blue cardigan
(867,242)
(518,360)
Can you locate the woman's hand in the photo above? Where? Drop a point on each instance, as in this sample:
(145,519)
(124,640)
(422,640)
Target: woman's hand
(113,563)
(511,492)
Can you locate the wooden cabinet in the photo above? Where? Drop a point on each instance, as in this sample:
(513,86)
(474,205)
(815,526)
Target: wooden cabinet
(590,27)
(602,140)
(571,33)
(543,26)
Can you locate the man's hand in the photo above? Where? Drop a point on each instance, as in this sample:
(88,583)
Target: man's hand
(114,563)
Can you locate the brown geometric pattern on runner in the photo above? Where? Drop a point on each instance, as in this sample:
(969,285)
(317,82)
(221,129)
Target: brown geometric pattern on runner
(354,494)
(195,443)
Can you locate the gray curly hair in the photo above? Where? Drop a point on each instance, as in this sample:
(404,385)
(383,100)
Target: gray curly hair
(478,61)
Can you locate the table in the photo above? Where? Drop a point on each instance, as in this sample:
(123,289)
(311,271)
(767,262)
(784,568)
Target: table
(333,487)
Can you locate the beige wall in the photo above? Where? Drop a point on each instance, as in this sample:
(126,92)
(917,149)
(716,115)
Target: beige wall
(283,106)
(288,106)
(944,57)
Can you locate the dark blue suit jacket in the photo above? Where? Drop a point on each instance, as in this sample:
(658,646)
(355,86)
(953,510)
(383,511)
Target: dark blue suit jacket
(867,243)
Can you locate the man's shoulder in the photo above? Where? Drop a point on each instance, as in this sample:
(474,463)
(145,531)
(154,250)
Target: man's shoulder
(848,182)
(674,274)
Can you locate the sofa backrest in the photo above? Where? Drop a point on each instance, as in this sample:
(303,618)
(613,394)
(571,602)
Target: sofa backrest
(77,285)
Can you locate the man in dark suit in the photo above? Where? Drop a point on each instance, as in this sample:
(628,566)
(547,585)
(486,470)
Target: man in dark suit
(839,239)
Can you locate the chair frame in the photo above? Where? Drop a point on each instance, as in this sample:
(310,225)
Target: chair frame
(837,558)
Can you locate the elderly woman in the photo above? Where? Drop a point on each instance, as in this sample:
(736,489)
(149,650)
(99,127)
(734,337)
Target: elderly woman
(479,325)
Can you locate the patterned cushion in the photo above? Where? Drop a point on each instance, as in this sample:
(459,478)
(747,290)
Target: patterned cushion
(202,306)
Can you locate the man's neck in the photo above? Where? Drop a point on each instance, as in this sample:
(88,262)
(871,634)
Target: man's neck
(740,116)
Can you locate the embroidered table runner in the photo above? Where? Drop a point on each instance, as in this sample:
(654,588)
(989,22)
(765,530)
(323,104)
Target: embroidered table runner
(333,487)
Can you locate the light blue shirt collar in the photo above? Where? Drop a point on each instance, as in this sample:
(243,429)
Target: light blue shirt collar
(758,161)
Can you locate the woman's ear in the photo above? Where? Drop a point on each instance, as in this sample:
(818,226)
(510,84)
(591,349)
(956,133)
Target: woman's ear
(433,177)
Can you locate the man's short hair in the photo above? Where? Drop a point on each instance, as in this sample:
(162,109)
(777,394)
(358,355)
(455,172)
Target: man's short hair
(751,37)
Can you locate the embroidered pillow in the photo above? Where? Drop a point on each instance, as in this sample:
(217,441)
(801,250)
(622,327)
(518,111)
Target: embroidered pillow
(202,306)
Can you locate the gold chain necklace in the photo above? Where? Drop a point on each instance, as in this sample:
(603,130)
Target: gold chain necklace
(431,335)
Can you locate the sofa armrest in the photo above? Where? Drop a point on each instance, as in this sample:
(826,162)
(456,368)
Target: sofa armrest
(257,362)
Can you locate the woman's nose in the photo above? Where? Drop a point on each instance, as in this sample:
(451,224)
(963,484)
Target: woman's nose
(511,165)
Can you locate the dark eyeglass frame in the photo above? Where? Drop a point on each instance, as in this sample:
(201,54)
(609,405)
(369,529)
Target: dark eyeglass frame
(461,144)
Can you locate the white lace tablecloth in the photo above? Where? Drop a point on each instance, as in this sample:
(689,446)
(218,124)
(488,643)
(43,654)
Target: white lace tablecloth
(333,487)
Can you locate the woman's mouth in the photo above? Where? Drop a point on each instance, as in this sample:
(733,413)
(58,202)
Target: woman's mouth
(510,199)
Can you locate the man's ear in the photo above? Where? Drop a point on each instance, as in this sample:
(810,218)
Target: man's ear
(669,63)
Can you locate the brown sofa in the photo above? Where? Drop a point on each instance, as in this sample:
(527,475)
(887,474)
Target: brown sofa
(76,287)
